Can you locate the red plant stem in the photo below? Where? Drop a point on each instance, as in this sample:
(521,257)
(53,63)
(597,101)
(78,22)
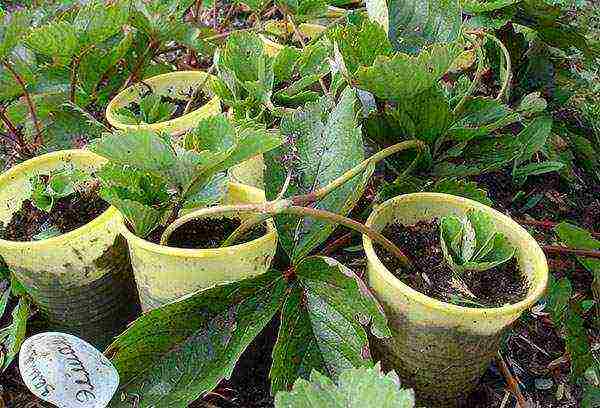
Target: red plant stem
(557,249)
(75,70)
(148,54)
(547,225)
(337,244)
(39,139)
(17,136)
(512,383)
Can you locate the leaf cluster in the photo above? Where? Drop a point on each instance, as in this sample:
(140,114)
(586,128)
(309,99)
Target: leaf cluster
(471,243)
(46,190)
(151,180)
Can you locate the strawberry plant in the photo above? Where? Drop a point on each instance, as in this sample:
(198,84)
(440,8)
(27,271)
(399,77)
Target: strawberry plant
(497,101)
(151,181)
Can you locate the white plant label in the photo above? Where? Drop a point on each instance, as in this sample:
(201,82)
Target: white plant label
(67,371)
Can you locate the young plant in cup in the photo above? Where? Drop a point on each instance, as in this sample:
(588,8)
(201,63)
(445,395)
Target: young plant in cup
(154,108)
(153,182)
(60,201)
(472,245)
(62,242)
(310,190)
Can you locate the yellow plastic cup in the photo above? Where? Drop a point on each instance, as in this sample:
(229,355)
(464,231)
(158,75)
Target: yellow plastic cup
(81,281)
(439,348)
(272,48)
(172,84)
(164,274)
(249,172)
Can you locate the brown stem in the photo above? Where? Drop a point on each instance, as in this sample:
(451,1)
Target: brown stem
(286,207)
(75,71)
(39,139)
(512,383)
(301,39)
(557,249)
(148,54)
(354,225)
(10,126)
(223,35)
(337,244)
(546,225)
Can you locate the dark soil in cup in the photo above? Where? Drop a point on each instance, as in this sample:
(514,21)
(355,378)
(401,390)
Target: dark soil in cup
(495,287)
(201,98)
(68,214)
(207,233)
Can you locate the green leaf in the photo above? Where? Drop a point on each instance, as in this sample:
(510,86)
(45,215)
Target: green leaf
(534,137)
(501,251)
(252,139)
(461,188)
(451,233)
(558,300)
(534,169)
(322,323)
(357,388)
(484,6)
(4,301)
(179,352)
(14,27)
(415,24)
(16,332)
(425,116)
(321,143)
(210,193)
(215,134)
(142,149)
(304,9)
(578,345)
(143,218)
(153,109)
(402,76)
(485,229)
(532,103)
(97,21)
(56,40)
(40,196)
(591,397)
(242,55)
(360,45)
(284,64)
(479,117)
(472,244)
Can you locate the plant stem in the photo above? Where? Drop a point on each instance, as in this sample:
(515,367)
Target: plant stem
(244,227)
(198,88)
(307,199)
(547,225)
(286,207)
(297,205)
(301,39)
(347,176)
(75,70)
(557,249)
(354,225)
(507,81)
(338,243)
(140,63)
(17,137)
(39,139)
(512,383)
(480,68)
